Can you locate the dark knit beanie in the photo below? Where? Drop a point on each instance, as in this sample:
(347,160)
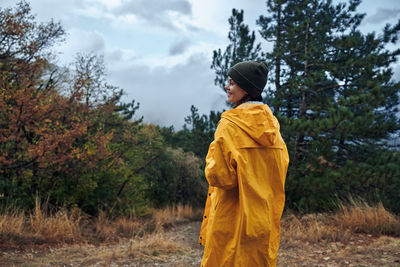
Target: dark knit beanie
(251,76)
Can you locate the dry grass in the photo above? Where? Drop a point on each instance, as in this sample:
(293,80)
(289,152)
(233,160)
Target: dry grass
(39,227)
(104,229)
(153,245)
(64,226)
(359,217)
(171,215)
(363,218)
(344,238)
(11,223)
(150,246)
(312,228)
(113,230)
(146,249)
(129,227)
(71,227)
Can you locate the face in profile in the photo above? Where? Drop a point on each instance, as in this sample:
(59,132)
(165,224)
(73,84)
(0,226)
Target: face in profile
(234,92)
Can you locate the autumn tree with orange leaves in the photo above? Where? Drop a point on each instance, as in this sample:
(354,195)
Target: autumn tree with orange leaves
(43,134)
(67,139)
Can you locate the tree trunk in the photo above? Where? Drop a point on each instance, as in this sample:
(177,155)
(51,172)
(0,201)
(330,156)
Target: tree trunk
(278,52)
(303,106)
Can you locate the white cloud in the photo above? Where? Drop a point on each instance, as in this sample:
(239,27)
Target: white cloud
(152,8)
(165,94)
(126,19)
(213,15)
(383,14)
(107,3)
(396,73)
(167,14)
(80,41)
(44,10)
(159,51)
(179,47)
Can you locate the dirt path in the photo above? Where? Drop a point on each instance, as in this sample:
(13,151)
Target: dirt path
(361,250)
(184,234)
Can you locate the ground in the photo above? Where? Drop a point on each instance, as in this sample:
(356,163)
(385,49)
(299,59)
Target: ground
(359,250)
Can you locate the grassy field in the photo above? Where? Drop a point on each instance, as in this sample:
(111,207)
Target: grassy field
(356,235)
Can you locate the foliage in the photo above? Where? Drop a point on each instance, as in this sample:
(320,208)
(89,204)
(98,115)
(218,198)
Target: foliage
(336,101)
(197,133)
(43,135)
(240,48)
(176,178)
(89,77)
(67,138)
(191,146)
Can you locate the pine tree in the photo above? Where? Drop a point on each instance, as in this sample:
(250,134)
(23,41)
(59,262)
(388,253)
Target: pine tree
(336,101)
(335,97)
(241,47)
(197,133)
(272,31)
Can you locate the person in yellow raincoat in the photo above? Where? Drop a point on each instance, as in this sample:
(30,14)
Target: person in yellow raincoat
(246,168)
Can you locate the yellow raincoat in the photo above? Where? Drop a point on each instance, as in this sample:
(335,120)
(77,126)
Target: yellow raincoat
(246,169)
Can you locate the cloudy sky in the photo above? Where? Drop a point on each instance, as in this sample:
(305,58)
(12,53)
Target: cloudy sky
(160,51)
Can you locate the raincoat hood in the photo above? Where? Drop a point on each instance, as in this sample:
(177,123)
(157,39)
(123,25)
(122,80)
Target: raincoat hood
(257,122)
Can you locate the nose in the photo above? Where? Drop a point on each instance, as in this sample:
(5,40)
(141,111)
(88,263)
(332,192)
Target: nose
(226,87)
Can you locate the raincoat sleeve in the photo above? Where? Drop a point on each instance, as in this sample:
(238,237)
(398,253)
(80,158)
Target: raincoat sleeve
(220,161)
